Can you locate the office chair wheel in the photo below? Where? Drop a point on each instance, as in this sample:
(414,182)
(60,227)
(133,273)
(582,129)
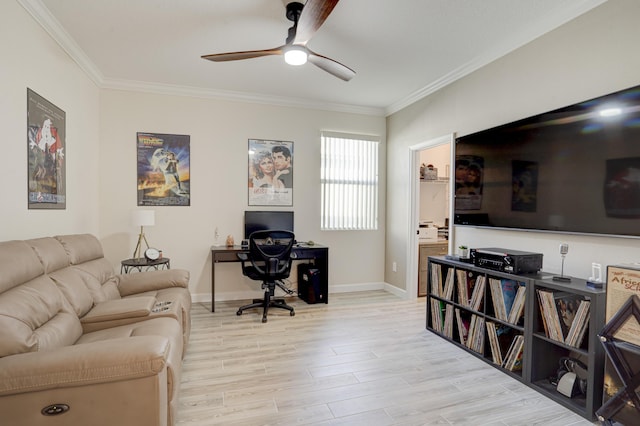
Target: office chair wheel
(292,313)
(264,319)
(239,312)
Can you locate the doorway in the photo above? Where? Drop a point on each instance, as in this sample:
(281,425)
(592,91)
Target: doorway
(414,207)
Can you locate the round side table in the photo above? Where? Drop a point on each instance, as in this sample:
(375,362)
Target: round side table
(142,263)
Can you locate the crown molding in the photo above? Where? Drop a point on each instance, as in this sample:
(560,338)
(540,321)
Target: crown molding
(52,26)
(571,11)
(57,32)
(198,92)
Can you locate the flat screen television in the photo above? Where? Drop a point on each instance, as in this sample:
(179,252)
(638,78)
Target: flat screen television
(263,220)
(572,170)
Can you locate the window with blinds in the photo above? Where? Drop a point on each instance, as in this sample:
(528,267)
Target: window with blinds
(349,182)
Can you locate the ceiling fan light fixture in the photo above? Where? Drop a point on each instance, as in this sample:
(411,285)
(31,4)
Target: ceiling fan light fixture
(295,55)
(306,18)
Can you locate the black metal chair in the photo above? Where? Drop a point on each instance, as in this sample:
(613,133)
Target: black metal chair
(269,260)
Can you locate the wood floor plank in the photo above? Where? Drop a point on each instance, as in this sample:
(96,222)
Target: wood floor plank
(363,359)
(338,394)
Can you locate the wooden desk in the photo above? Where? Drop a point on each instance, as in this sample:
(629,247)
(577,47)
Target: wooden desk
(317,253)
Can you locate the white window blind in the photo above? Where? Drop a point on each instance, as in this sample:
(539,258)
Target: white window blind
(349,182)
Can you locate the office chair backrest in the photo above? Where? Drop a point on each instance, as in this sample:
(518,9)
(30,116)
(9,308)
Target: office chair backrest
(270,252)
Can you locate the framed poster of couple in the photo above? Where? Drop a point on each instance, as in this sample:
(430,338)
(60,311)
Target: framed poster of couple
(270,180)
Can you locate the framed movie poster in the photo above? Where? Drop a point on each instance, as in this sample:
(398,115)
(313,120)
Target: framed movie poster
(469,182)
(622,189)
(270,173)
(524,188)
(46,124)
(163,169)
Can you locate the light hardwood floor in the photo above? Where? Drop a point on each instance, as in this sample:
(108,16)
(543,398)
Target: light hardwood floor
(363,359)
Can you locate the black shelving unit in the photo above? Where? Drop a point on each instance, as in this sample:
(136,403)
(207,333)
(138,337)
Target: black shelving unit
(541,355)
(546,353)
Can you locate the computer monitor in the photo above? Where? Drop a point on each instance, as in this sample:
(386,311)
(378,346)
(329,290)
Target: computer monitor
(262,220)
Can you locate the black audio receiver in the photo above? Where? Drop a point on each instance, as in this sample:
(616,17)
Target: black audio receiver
(507,260)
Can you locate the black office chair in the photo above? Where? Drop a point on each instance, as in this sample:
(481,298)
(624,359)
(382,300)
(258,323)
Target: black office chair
(269,260)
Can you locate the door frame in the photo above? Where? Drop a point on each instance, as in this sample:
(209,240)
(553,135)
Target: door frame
(414,206)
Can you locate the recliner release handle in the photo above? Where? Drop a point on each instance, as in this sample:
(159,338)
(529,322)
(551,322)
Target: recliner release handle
(54,409)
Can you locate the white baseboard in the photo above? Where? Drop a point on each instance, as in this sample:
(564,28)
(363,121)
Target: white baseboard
(230,295)
(395,290)
(200,297)
(350,288)
(340,288)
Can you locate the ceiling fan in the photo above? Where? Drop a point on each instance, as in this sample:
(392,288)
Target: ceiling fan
(306,21)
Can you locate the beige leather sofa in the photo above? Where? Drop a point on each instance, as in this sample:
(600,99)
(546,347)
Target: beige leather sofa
(80,345)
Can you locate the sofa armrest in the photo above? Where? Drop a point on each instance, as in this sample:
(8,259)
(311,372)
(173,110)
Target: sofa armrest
(130,310)
(152,280)
(111,310)
(84,364)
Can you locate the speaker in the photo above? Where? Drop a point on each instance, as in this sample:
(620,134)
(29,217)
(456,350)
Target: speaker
(309,288)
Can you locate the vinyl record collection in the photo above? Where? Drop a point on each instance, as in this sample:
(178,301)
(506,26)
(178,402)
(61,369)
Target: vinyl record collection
(565,317)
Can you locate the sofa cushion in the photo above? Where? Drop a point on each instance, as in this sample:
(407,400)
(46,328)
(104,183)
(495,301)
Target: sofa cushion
(81,247)
(35,317)
(18,263)
(99,278)
(51,253)
(74,290)
(86,255)
(110,288)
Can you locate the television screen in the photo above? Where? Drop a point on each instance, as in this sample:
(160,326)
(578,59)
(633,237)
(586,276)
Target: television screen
(262,220)
(572,170)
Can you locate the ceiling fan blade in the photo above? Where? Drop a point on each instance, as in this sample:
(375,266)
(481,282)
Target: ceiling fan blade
(314,13)
(332,67)
(235,56)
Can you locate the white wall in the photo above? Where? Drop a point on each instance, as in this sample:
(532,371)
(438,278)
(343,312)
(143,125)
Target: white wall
(219,131)
(101,165)
(588,57)
(438,156)
(29,58)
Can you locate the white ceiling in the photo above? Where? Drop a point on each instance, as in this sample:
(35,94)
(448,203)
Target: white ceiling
(401,50)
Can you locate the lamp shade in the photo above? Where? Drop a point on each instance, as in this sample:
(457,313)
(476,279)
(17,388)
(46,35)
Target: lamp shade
(144,217)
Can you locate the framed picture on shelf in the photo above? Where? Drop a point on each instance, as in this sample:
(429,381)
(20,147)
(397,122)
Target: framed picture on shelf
(270,179)
(164,177)
(623,282)
(46,132)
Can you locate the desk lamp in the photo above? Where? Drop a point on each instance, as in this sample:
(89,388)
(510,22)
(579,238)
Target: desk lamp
(142,218)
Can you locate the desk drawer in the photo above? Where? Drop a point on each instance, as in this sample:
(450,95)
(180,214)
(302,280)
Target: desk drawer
(226,256)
